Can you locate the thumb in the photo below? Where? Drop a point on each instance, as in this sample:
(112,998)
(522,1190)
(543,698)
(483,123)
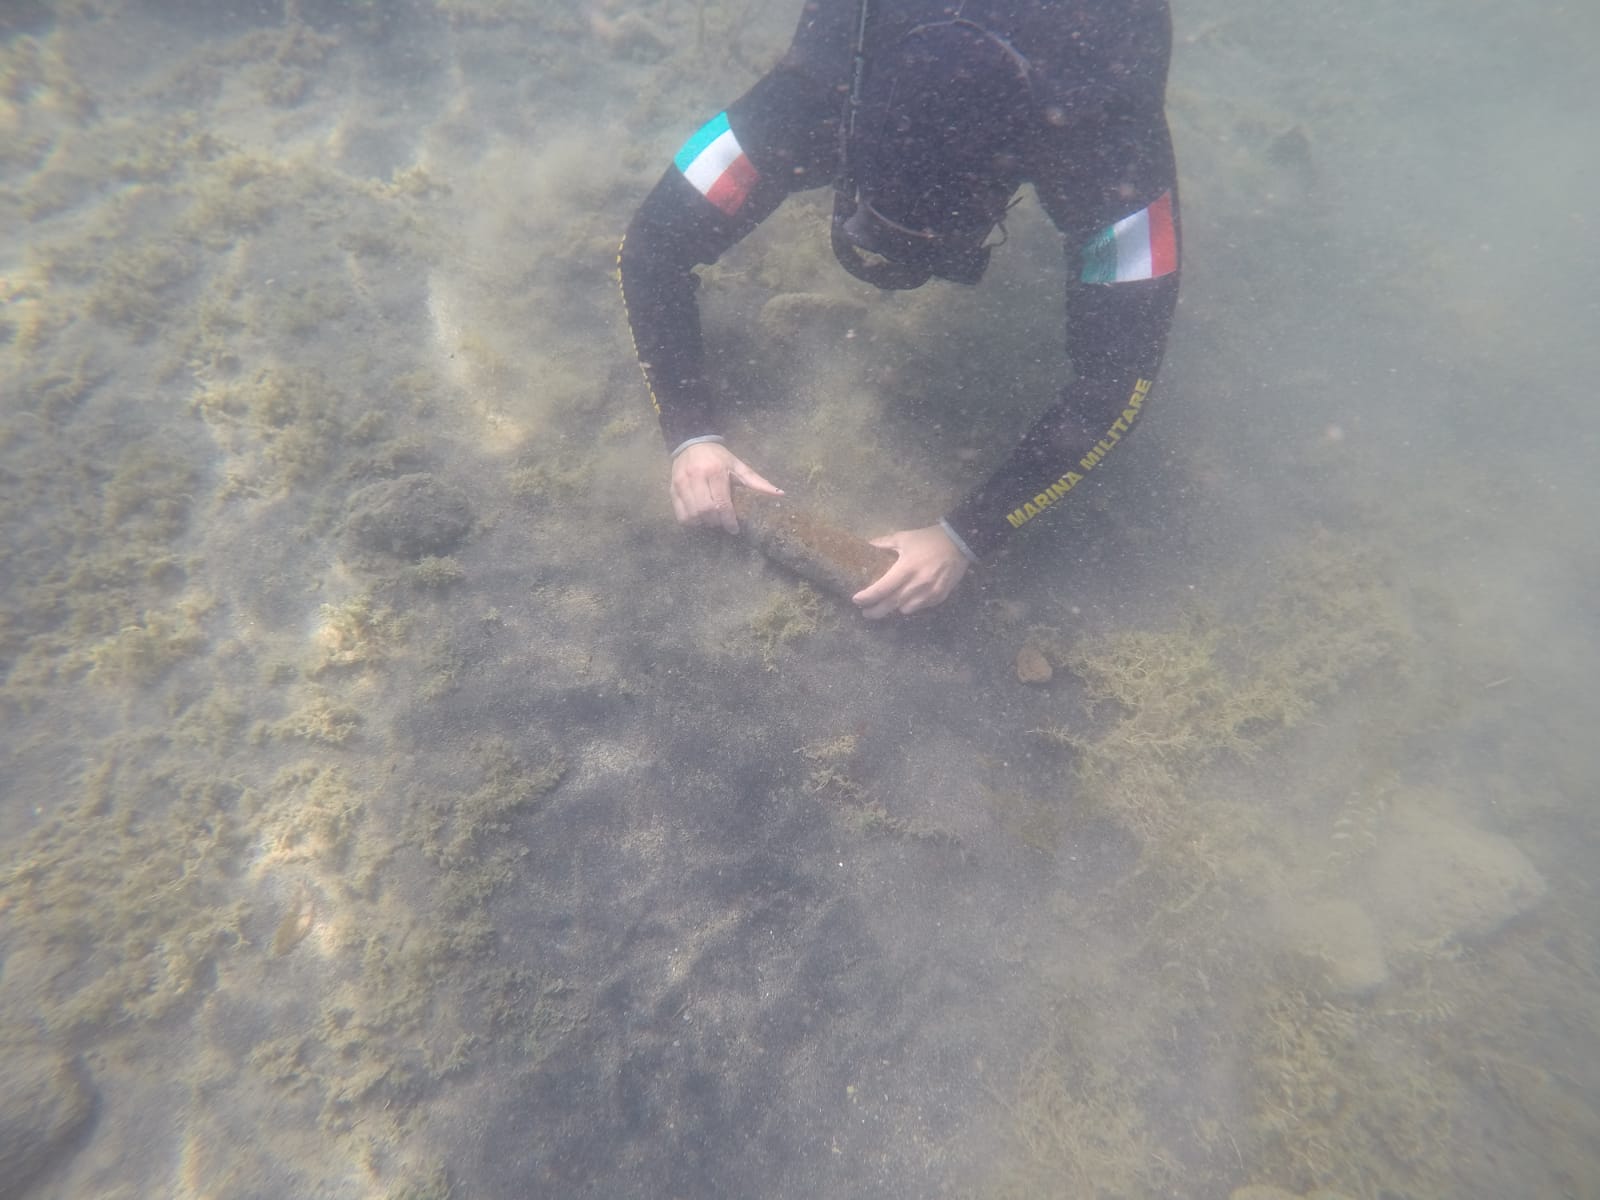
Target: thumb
(889,541)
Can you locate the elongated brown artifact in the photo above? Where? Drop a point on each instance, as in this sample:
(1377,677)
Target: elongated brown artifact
(820,553)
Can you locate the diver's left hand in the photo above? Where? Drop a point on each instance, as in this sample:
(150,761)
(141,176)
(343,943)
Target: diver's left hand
(928,569)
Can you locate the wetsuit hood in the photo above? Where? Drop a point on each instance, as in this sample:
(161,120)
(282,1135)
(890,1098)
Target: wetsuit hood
(931,155)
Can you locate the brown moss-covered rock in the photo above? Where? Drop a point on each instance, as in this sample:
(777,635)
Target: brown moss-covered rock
(1333,946)
(410,517)
(1033,666)
(1436,877)
(835,560)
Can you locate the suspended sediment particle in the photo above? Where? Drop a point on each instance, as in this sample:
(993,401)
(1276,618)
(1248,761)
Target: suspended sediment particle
(822,554)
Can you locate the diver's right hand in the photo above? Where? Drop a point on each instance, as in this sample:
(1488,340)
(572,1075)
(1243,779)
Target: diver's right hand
(702,485)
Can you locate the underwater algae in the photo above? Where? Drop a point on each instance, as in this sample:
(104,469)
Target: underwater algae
(1166,703)
(1394,1095)
(834,774)
(220,883)
(218,894)
(1350,949)
(229,894)
(1078,1131)
(436,572)
(1174,718)
(98,576)
(788,614)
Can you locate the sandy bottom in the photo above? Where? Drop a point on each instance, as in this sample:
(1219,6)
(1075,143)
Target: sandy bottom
(396,804)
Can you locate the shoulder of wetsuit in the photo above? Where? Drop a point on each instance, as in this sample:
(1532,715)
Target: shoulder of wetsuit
(824,40)
(1091,57)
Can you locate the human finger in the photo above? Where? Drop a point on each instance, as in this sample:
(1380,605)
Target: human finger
(755,482)
(916,599)
(893,575)
(688,505)
(880,587)
(883,597)
(719,503)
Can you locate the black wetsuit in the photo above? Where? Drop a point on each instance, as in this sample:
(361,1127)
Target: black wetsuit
(1098,155)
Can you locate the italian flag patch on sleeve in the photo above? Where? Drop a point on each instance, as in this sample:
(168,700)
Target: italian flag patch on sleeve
(714,162)
(1141,246)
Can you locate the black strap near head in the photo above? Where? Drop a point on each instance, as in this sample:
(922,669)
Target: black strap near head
(910,262)
(879,272)
(847,128)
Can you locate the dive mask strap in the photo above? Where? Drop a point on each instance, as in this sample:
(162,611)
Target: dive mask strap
(881,273)
(890,277)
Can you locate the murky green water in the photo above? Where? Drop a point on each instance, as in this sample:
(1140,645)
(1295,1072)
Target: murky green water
(397,804)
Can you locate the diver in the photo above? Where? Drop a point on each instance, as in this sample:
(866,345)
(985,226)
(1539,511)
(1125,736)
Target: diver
(925,117)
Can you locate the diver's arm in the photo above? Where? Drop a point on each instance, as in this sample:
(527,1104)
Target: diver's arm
(1123,329)
(731,175)
(1122,287)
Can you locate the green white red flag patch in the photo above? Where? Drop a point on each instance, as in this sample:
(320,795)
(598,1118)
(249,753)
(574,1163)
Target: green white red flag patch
(1141,246)
(715,164)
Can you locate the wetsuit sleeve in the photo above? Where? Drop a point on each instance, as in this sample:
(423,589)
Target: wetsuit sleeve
(1111,189)
(779,138)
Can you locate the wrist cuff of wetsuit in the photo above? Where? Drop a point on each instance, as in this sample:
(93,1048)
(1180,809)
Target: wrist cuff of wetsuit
(695,441)
(961,544)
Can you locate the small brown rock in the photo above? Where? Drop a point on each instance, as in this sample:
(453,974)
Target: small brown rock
(1033,666)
